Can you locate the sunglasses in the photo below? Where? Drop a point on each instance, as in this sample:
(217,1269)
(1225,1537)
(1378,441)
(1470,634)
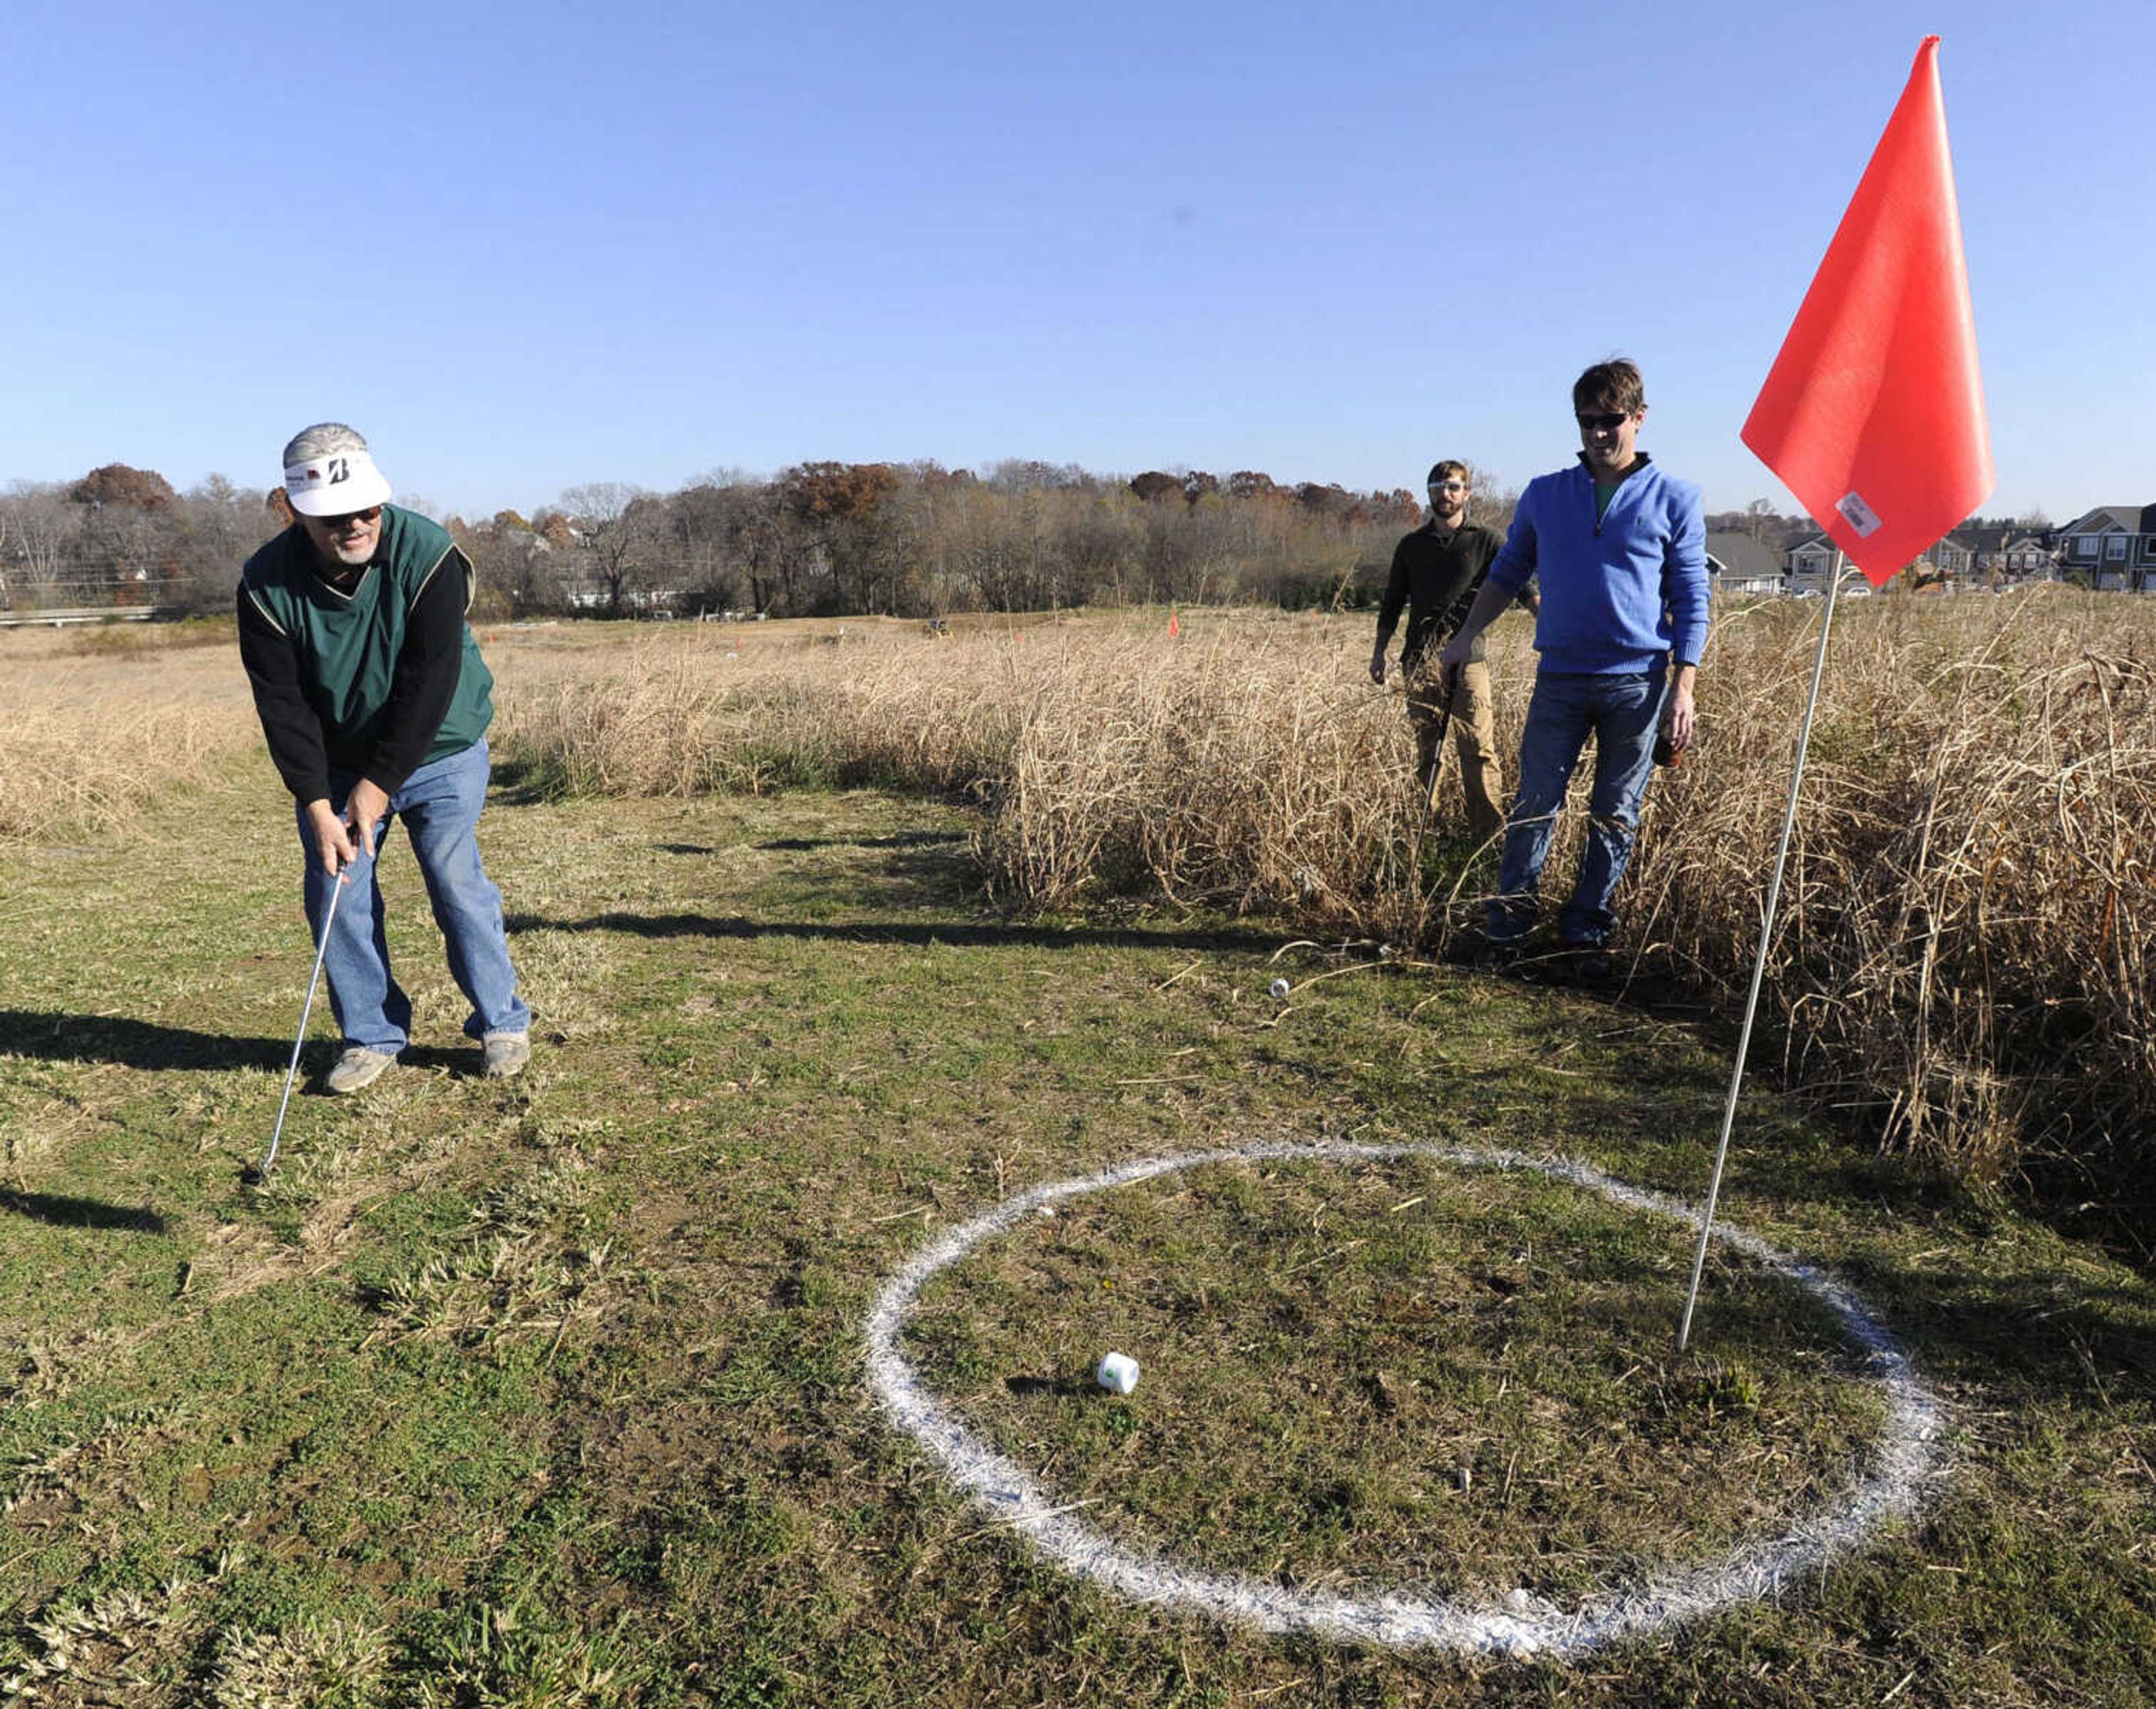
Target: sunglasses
(1448,486)
(1603,421)
(372,513)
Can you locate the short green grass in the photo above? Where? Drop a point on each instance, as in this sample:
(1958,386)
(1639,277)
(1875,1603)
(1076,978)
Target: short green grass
(551,1392)
(1460,1379)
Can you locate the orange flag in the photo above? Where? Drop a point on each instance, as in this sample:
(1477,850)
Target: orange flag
(1173,627)
(1873,414)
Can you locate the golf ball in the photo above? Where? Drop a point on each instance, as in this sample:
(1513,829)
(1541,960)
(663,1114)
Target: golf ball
(1279,987)
(1118,1373)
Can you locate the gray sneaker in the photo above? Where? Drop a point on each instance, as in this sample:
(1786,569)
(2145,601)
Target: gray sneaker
(358,1067)
(506,1053)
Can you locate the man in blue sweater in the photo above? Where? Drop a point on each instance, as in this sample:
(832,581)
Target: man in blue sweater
(1620,551)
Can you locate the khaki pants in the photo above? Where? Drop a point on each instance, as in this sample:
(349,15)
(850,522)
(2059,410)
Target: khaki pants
(1474,737)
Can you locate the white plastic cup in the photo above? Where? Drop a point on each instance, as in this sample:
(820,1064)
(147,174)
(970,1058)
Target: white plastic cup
(1117,1373)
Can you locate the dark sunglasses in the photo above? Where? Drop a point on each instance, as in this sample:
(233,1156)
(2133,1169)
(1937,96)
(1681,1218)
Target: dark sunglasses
(1604,421)
(371,514)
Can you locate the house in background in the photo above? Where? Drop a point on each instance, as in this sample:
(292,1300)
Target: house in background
(1741,567)
(1811,561)
(1948,560)
(2112,546)
(2009,553)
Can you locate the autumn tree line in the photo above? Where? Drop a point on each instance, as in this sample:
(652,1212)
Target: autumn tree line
(819,539)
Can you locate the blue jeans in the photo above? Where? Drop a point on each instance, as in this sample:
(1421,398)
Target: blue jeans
(1621,713)
(439,805)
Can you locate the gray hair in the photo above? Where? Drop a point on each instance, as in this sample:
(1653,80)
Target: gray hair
(320,440)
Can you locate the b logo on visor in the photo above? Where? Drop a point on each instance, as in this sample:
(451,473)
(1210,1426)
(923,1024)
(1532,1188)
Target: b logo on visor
(340,469)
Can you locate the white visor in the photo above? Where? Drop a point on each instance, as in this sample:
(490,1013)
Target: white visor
(335,484)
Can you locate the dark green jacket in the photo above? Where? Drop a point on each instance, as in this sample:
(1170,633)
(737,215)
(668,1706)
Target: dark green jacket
(369,662)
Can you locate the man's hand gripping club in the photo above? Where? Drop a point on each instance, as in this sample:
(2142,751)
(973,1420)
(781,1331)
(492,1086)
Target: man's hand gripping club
(340,841)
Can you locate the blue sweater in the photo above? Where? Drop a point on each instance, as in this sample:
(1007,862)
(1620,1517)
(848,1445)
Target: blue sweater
(1628,593)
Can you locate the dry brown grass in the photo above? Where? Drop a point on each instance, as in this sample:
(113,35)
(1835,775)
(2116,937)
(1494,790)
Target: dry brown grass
(1963,948)
(1243,763)
(97,722)
(1964,936)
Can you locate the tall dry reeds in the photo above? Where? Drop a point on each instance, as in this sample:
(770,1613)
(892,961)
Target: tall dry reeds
(1237,764)
(1964,936)
(95,723)
(1963,952)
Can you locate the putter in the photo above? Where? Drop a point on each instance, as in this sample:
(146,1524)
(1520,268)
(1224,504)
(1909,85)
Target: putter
(1437,760)
(262,1171)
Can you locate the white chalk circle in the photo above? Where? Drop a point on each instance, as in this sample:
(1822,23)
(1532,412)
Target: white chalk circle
(1406,1618)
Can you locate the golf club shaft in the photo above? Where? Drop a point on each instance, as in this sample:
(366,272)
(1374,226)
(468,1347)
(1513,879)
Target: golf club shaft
(306,1009)
(1437,758)
(1428,797)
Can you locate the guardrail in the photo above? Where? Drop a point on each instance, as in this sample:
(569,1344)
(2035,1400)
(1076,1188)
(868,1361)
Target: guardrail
(58,616)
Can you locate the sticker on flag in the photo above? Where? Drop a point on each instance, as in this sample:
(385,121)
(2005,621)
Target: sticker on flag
(1859,516)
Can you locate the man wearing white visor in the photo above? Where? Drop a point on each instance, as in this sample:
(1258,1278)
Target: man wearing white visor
(375,703)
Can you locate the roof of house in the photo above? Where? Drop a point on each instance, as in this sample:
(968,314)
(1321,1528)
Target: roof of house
(1742,555)
(1998,538)
(2127,519)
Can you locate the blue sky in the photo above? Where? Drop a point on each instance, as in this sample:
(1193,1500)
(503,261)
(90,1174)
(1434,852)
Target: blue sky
(523,247)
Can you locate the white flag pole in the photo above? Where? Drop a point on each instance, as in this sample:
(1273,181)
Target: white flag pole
(1759,961)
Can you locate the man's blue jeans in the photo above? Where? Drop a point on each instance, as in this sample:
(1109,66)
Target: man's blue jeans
(1621,713)
(439,805)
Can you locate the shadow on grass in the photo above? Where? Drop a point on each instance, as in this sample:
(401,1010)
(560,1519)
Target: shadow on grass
(54,1036)
(79,1212)
(1025,1387)
(517,783)
(1225,940)
(1981,1305)
(895,839)
(2053,1333)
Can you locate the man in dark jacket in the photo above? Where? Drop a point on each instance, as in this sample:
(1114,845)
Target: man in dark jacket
(1437,571)
(375,703)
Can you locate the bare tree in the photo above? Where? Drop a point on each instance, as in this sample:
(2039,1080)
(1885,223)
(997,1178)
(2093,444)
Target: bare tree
(614,547)
(1101,542)
(128,553)
(217,525)
(1026,475)
(517,567)
(37,529)
(700,525)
